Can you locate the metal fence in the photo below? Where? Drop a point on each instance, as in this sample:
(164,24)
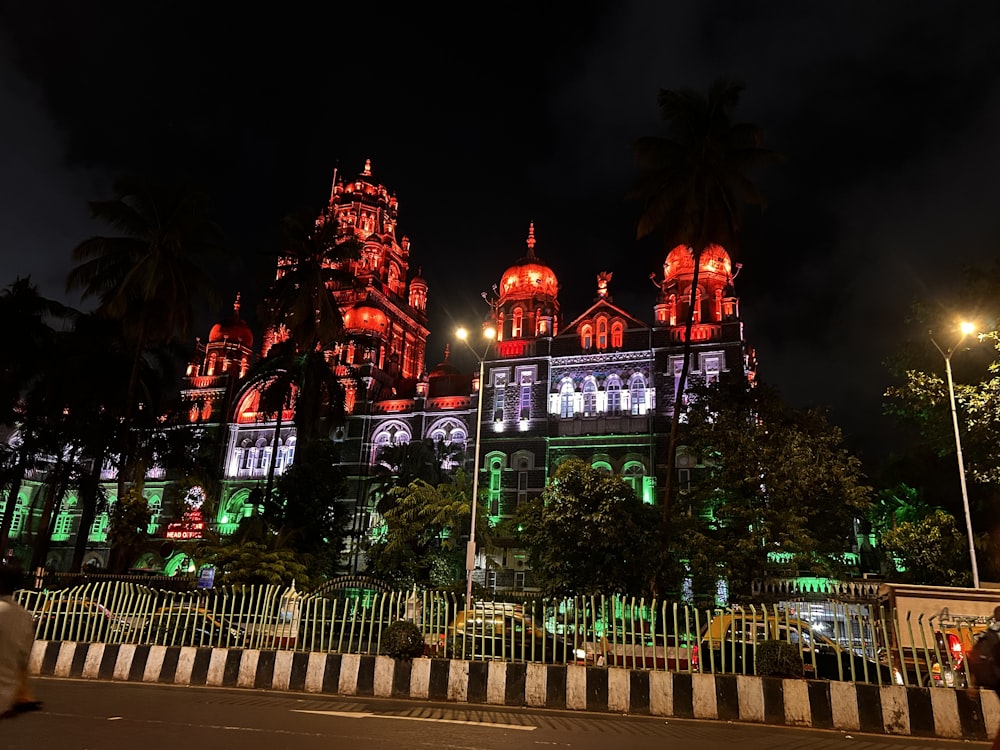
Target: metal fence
(838,642)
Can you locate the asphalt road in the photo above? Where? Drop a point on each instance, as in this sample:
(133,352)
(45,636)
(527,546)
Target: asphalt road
(84,714)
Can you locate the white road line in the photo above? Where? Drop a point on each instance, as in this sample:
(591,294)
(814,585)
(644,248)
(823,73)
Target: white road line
(360,715)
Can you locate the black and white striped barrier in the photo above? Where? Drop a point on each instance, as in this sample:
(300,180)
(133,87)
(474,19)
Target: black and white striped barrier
(924,712)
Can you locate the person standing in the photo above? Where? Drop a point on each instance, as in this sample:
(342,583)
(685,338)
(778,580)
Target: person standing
(17,634)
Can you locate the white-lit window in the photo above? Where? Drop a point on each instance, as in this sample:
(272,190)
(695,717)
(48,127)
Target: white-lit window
(637,394)
(499,392)
(614,391)
(517,323)
(711,369)
(589,398)
(566,396)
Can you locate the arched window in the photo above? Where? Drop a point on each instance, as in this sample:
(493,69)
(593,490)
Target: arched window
(637,394)
(566,396)
(589,398)
(614,393)
(602,467)
(602,333)
(517,323)
(633,474)
(586,337)
(617,334)
(496,469)
(391,434)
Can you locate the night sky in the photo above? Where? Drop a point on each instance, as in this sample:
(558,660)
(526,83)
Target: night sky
(483,119)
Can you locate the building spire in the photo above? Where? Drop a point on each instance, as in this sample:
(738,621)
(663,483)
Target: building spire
(368,168)
(236,306)
(531,239)
(333,185)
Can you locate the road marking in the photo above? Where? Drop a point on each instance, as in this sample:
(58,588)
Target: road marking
(361,715)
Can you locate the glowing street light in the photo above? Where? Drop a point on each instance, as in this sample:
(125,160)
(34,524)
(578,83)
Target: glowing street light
(965,329)
(489,333)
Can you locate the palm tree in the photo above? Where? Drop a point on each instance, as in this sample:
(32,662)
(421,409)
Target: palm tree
(149,277)
(306,327)
(304,317)
(29,322)
(693,184)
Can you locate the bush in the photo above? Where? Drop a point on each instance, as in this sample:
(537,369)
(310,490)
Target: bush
(402,640)
(778,659)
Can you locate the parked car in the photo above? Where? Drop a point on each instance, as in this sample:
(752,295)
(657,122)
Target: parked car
(729,644)
(187,625)
(76,619)
(504,631)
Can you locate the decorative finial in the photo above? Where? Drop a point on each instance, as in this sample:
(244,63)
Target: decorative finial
(368,168)
(236,305)
(447,351)
(603,277)
(531,238)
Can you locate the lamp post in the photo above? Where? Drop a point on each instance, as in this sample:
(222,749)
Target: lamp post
(965,329)
(470,549)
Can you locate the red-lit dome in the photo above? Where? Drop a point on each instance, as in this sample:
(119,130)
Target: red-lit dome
(232,329)
(714,260)
(528,277)
(366,319)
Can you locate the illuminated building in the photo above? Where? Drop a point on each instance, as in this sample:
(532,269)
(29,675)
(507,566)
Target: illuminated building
(599,387)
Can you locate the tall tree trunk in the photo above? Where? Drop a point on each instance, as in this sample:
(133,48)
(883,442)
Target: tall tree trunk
(89,490)
(13,488)
(671,480)
(124,462)
(56,490)
(269,485)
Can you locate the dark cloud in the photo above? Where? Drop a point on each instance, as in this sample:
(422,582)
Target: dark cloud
(886,112)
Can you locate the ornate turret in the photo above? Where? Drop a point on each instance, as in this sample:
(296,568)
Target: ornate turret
(528,304)
(216,366)
(717,301)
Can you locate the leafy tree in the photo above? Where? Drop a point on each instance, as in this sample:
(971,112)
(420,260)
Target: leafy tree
(921,403)
(930,551)
(587,534)
(130,517)
(304,509)
(776,491)
(693,184)
(900,504)
(398,464)
(255,554)
(423,533)
(32,325)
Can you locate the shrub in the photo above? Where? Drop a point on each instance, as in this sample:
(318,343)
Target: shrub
(778,659)
(402,640)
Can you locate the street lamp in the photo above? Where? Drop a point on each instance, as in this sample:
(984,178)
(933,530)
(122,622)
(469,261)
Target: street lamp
(489,333)
(965,328)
